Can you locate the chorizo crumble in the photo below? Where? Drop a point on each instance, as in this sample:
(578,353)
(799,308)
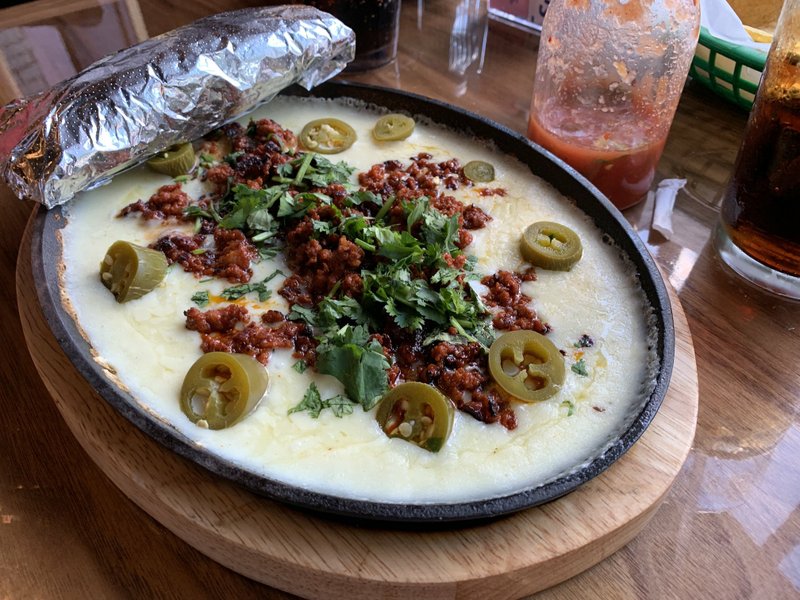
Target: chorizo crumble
(379,272)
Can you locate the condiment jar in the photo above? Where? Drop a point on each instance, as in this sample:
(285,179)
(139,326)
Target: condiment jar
(608,80)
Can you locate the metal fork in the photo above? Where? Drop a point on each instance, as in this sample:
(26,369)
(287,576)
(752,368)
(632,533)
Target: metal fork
(468,36)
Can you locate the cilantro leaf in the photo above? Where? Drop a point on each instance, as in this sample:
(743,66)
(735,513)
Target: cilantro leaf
(300,366)
(330,311)
(322,227)
(237,291)
(311,402)
(340,405)
(398,246)
(352,226)
(313,170)
(246,201)
(360,366)
(361,196)
(580,368)
(195,211)
(302,313)
(262,221)
(266,252)
(415,211)
(440,229)
(412,302)
(200,298)
(249,210)
(296,206)
(232,158)
(264,293)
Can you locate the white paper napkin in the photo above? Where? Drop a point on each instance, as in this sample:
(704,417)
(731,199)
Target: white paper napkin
(666,192)
(722,22)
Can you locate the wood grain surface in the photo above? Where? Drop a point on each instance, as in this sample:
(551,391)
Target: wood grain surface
(316,557)
(728,529)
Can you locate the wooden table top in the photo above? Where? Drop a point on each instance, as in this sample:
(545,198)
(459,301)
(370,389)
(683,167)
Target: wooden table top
(729,528)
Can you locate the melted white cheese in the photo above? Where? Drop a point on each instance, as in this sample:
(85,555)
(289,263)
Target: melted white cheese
(147,344)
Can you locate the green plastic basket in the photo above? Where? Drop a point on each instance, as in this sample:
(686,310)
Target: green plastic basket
(731,71)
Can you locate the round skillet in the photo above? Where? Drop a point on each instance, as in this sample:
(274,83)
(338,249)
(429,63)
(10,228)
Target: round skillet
(46,251)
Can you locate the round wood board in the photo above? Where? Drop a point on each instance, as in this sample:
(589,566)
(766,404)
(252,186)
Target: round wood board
(316,557)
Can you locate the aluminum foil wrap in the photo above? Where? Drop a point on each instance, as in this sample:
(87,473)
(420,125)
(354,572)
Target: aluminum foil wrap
(169,89)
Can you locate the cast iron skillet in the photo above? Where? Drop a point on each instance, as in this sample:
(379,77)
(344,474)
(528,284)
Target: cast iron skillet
(46,252)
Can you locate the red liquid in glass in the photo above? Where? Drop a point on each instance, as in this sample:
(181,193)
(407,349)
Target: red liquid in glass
(614,152)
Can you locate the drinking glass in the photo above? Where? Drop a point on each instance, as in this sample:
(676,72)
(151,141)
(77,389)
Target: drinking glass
(376,24)
(759,231)
(608,79)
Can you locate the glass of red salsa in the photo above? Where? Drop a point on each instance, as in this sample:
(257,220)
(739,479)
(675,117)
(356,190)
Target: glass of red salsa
(608,79)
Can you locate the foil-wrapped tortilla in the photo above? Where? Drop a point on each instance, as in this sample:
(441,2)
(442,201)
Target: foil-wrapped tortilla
(169,89)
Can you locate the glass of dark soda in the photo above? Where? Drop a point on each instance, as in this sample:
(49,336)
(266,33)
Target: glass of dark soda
(376,24)
(759,233)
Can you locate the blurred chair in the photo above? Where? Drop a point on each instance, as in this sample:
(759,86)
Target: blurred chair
(47,41)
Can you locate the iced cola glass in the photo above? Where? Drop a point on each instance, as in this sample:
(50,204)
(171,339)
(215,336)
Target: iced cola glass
(759,232)
(375,23)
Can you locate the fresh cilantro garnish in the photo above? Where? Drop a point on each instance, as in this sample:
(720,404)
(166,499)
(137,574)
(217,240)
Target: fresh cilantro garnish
(569,406)
(247,209)
(339,405)
(440,230)
(302,167)
(296,206)
(267,252)
(361,196)
(352,226)
(580,368)
(482,333)
(237,291)
(302,313)
(331,311)
(206,160)
(232,158)
(415,211)
(200,298)
(414,274)
(313,170)
(356,361)
(207,213)
(313,403)
(398,246)
(322,227)
(384,210)
(413,301)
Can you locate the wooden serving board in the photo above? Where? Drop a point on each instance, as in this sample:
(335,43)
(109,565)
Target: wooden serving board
(315,557)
